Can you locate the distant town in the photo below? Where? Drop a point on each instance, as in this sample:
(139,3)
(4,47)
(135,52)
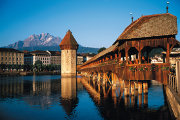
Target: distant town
(15,60)
(38,60)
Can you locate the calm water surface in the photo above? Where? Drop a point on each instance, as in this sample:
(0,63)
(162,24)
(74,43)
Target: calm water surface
(50,97)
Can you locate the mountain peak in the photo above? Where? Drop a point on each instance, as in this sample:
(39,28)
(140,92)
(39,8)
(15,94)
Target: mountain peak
(43,39)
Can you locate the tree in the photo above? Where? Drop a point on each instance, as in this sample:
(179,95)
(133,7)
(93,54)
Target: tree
(3,66)
(101,49)
(9,67)
(38,65)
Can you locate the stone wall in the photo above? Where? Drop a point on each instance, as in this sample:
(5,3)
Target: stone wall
(68,62)
(174,101)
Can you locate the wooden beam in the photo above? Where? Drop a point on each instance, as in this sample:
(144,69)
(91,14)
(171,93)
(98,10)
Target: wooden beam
(119,56)
(126,54)
(167,53)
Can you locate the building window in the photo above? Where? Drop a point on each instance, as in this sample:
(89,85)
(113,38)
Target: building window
(6,58)
(1,53)
(1,58)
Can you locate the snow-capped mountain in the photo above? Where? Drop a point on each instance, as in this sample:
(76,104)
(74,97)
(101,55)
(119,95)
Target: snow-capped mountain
(45,41)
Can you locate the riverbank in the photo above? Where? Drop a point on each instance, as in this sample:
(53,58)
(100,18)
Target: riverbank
(173,100)
(22,73)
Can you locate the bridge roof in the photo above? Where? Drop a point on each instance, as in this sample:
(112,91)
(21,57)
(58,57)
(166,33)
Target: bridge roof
(150,26)
(104,52)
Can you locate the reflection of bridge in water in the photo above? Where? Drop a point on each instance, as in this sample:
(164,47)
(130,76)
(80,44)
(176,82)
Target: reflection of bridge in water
(132,92)
(129,100)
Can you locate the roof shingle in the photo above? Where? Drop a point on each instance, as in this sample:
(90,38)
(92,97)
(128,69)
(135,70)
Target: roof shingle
(68,42)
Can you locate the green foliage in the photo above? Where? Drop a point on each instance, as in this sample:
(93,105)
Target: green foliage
(101,49)
(122,64)
(133,69)
(3,66)
(154,67)
(156,51)
(164,68)
(38,65)
(142,68)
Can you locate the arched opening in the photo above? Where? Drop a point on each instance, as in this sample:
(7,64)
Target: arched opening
(122,55)
(133,55)
(145,54)
(153,54)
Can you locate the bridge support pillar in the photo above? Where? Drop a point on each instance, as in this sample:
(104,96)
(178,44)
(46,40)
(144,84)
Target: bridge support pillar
(104,79)
(114,79)
(136,85)
(132,88)
(114,95)
(140,100)
(132,101)
(94,76)
(145,87)
(99,77)
(126,101)
(140,87)
(126,88)
(145,100)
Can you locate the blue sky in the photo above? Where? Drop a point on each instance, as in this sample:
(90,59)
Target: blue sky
(94,23)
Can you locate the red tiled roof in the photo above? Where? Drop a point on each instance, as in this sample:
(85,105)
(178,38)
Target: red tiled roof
(68,41)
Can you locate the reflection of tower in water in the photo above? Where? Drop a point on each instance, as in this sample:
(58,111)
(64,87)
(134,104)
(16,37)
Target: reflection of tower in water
(69,98)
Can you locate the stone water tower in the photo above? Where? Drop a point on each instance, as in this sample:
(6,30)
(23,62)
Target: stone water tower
(68,48)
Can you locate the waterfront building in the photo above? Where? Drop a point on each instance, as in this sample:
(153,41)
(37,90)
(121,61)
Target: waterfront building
(68,48)
(174,56)
(43,56)
(11,56)
(28,58)
(87,56)
(55,57)
(79,59)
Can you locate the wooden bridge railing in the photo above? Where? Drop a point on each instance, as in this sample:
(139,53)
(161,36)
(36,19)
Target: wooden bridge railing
(172,82)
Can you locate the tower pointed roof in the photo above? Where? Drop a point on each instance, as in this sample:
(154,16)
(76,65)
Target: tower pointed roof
(68,42)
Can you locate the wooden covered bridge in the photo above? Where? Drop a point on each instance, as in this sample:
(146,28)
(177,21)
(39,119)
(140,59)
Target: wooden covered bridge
(128,57)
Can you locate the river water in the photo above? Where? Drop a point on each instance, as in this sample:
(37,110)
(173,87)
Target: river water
(51,97)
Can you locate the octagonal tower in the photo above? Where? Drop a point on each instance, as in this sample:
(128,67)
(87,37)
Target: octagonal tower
(68,48)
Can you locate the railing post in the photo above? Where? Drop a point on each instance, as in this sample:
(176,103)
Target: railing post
(178,75)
